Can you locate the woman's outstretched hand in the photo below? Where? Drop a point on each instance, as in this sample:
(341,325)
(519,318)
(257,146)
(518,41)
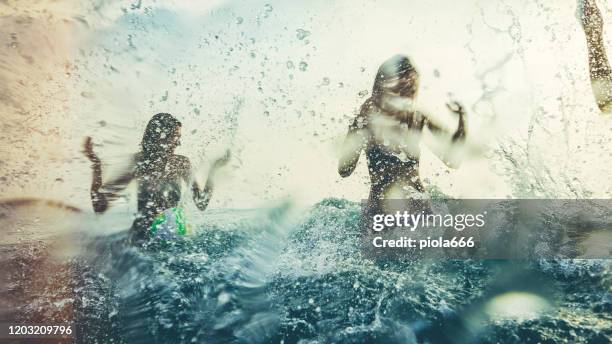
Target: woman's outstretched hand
(456,107)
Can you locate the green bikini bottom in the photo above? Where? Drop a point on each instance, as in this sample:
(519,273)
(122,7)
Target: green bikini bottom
(170,224)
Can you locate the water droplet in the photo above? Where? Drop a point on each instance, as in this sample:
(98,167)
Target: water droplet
(223,298)
(268,7)
(290,64)
(301,34)
(303,66)
(325,81)
(363,93)
(239,20)
(14,43)
(86,94)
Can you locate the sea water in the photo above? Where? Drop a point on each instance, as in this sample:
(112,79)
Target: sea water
(269,277)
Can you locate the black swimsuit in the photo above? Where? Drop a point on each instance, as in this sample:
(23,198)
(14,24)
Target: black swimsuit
(385,167)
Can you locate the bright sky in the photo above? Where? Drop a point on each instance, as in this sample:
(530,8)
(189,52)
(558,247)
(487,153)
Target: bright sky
(277,82)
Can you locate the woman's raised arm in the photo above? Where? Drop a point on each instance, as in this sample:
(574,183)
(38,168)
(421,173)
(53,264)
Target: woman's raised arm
(599,66)
(104,193)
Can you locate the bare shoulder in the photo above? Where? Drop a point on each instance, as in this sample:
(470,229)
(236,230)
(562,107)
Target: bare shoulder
(138,158)
(361,120)
(367,107)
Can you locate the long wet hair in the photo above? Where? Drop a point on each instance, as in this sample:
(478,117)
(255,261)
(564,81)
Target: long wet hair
(398,66)
(159,139)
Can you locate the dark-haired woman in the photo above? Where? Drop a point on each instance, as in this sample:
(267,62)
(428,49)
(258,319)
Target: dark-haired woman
(160,174)
(389,129)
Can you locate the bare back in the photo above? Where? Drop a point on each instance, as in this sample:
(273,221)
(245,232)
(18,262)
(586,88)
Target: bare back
(160,185)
